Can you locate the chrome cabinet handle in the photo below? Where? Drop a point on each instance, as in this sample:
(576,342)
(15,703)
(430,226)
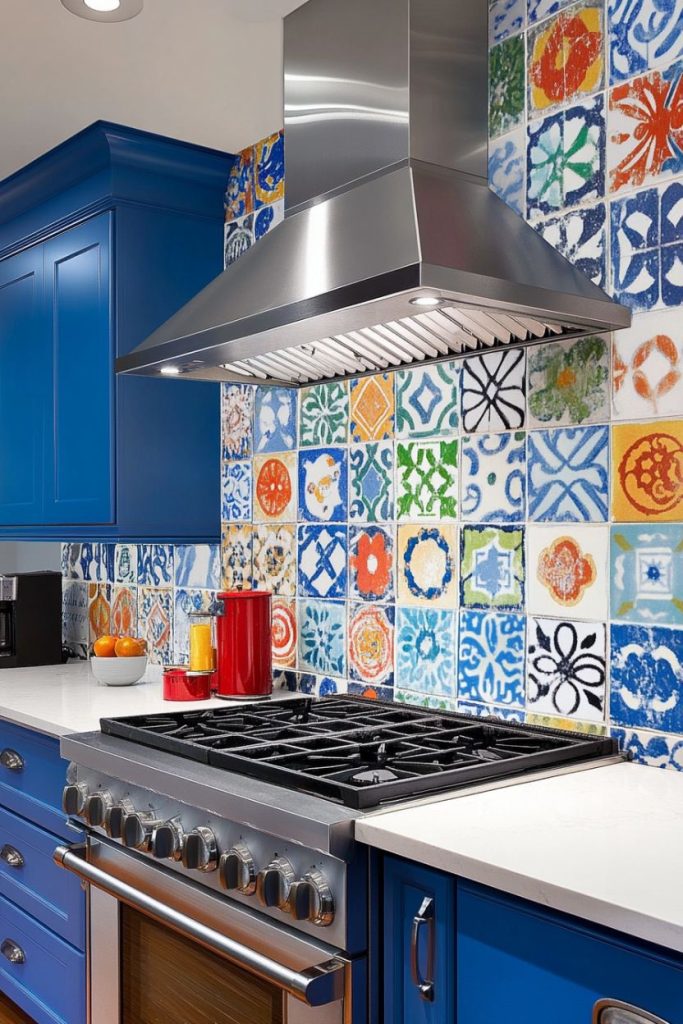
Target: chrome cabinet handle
(11,760)
(12,952)
(423,919)
(11,856)
(614,1011)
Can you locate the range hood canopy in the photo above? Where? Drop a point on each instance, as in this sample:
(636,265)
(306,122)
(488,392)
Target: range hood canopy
(393,251)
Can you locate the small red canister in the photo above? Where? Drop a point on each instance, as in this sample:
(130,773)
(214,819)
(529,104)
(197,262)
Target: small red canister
(179,684)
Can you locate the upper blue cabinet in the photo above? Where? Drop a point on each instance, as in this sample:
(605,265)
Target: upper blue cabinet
(102,240)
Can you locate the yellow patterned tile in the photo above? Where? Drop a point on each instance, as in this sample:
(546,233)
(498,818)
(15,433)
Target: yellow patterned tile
(372,408)
(647,471)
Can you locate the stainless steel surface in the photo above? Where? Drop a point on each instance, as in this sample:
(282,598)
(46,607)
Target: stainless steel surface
(274,882)
(8,588)
(317,984)
(386,118)
(237,870)
(11,856)
(12,952)
(613,1011)
(322,901)
(423,919)
(200,850)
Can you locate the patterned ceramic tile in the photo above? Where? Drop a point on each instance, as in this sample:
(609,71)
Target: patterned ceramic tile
(507,168)
(647,367)
(75,630)
(493,392)
(647,574)
(275,420)
(647,477)
(466,707)
(657,750)
(155,565)
(566,158)
(269,169)
(537,10)
(425,650)
(506,18)
(427,400)
(236,557)
(565,57)
(308,682)
(267,218)
(427,480)
(491,658)
(371,644)
(567,571)
(494,478)
(422,700)
(371,692)
(322,561)
(371,563)
(506,85)
(566,670)
(568,475)
(186,604)
(323,485)
(544,165)
(274,565)
(647,677)
(571,724)
(636,261)
(284,632)
(580,236)
(372,408)
(428,565)
(124,610)
(238,237)
(645,141)
(236,492)
(371,482)
(82,561)
(643,35)
(237,406)
(322,636)
(275,488)
(492,567)
(99,610)
(126,563)
(198,565)
(239,195)
(324,414)
(569,382)
(155,623)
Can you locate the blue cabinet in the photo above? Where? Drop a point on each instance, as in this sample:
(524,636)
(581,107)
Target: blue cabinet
(101,240)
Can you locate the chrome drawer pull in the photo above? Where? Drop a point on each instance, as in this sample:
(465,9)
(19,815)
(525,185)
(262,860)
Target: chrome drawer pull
(12,952)
(614,1011)
(423,919)
(11,856)
(11,760)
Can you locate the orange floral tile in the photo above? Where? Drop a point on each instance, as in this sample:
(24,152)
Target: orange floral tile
(566,57)
(647,460)
(284,632)
(275,488)
(372,408)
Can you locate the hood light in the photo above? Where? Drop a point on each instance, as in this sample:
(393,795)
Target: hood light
(170,371)
(426,300)
(104,10)
(103,6)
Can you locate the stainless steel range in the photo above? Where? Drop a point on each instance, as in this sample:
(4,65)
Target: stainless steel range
(234,827)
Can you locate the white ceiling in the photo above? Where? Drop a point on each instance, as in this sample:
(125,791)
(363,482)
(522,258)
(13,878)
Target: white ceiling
(207,71)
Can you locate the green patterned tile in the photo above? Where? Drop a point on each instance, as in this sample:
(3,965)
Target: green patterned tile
(324,414)
(506,85)
(427,480)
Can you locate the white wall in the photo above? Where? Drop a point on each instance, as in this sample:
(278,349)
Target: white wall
(29,556)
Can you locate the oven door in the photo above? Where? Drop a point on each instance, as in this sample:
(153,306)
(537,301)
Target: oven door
(163,948)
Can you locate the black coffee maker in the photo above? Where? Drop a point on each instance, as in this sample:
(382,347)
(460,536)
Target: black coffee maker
(30,619)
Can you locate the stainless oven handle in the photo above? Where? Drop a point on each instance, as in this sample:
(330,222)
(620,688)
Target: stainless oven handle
(316,986)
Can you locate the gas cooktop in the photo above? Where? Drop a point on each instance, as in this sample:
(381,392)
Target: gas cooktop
(358,752)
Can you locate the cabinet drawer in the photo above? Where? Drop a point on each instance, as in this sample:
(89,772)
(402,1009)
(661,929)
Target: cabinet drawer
(35,883)
(48,979)
(34,787)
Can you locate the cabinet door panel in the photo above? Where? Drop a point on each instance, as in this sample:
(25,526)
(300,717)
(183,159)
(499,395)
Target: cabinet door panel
(78,284)
(24,392)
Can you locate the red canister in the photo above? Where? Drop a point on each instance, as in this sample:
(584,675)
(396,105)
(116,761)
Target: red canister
(243,644)
(179,684)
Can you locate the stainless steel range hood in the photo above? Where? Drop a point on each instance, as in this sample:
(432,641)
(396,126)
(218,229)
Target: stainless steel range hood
(393,251)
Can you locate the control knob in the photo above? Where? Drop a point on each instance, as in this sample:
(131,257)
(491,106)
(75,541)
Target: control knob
(137,830)
(274,882)
(237,869)
(97,807)
(113,819)
(311,899)
(168,840)
(200,850)
(73,798)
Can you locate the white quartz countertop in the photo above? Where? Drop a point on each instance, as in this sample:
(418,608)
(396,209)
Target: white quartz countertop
(604,844)
(59,699)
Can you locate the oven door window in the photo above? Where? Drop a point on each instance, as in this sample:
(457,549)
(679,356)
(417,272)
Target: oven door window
(165,977)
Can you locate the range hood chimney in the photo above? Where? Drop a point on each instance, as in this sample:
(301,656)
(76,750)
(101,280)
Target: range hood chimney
(393,250)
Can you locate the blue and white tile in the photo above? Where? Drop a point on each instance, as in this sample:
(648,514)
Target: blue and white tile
(236,487)
(655,749)
(323,554)
(643,36)
(267,218)
(537,10)
(75,631)
(635,223)
(275,418)
(155,622)
(671,212)
(466,707)
(238,238)
(186,604)
(425,651)
(82,561)
(647,677)
(636,280)
(580,236)
(155,565)
(198,565)
(493,478)
(568,475)
(672,275)
(566,669)
(506,18)
(647,573)
(491,658)
(323,485)
(322,637)
(507,168)
(371,482)
(427,400)
(126,563)
(237,411)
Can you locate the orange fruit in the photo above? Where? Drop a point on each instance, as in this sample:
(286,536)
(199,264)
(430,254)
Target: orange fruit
(129,647)
(105,646)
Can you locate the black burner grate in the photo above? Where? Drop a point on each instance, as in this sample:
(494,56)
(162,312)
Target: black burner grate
(361,753)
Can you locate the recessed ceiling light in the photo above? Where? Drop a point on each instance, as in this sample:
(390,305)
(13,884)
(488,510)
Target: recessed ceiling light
(104,10)
(426,300)
(169,370)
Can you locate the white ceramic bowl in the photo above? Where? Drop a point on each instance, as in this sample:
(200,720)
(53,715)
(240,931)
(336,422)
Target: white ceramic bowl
(118,671)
